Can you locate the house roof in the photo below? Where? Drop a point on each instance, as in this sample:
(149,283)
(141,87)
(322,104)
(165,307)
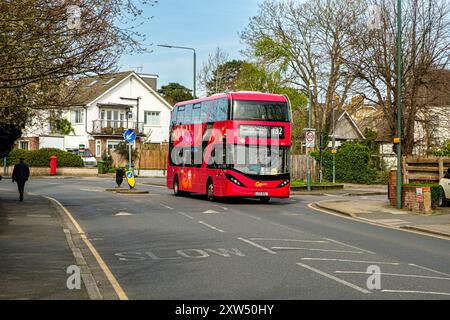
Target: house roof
(90,88)
(342,131)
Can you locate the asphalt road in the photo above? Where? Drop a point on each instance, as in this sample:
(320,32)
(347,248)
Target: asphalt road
(159,246)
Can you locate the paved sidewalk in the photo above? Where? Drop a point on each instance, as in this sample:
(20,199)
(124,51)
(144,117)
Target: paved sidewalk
(379,211)
(34,252)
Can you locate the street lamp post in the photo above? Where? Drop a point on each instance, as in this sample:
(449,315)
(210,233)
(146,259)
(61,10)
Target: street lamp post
(333,147)
(399,109)
(194,91)
(308,160)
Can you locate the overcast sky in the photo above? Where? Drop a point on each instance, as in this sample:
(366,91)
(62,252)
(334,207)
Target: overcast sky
(202,24)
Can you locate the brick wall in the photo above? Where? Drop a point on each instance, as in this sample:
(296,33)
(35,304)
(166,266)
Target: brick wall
(410,199)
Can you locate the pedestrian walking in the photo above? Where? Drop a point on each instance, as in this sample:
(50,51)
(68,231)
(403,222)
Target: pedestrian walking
(20,175)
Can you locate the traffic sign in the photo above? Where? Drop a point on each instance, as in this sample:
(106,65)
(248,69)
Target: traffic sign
(310,138)
(129,135)
(130,179)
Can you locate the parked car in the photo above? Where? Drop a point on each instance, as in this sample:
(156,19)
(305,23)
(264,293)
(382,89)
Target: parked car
(87,156)
(445,183)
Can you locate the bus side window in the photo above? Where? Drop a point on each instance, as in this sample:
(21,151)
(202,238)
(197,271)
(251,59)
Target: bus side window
(196,113)
(188,114)
(174,116)
(180,115)
(204,112)
(212,110)
(222,110)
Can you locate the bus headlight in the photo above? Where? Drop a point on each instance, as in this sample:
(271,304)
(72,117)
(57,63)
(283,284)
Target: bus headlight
(285,182)
(234,180)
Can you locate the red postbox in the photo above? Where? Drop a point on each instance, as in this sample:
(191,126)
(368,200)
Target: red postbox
(53,164)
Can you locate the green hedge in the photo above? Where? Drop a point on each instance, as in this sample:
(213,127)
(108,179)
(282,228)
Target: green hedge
(41,157)
(353,164)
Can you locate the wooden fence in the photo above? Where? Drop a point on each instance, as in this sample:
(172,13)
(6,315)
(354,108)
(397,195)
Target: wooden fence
(156,159)
(424,169)
(299,167)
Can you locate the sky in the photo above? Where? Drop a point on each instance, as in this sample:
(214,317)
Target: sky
(201,24)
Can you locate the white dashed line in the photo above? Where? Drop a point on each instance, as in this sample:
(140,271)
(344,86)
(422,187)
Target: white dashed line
(355,261)
(312,249)
(329,276)
(418,292)
(289,240)
(184,214)
(350,246)
(428,269)
(394,275)
(167,207)
(258,246)
(210,226)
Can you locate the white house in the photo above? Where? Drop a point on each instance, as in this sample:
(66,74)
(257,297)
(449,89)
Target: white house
(102,109)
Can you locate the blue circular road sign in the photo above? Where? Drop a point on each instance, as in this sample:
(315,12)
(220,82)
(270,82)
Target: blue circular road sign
(129,135)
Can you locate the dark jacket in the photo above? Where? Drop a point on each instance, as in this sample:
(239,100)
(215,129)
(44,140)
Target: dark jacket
(21,172)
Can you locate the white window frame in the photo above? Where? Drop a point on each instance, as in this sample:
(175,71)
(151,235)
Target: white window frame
(115,143)
(24,141)
(151,115)
(73,116)
(98,148)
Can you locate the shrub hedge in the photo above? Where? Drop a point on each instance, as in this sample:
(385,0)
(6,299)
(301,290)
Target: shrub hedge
(41,157)
(353,164)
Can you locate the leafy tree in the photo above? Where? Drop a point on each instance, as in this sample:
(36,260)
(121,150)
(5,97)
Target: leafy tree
(175,92)
(46,46)
(62,126)
(443,151)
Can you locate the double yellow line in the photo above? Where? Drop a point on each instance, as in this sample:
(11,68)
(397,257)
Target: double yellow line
(115,284)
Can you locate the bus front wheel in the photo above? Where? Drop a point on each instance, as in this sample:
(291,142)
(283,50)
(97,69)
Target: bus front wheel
(176,187)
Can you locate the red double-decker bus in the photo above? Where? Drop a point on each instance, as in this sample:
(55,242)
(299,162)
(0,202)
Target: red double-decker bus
(231,145)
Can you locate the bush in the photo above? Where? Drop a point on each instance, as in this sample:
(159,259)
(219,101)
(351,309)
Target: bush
(353,164)
(41,157)
(444,151)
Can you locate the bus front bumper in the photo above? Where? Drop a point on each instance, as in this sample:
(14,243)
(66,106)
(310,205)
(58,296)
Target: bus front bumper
(282,192)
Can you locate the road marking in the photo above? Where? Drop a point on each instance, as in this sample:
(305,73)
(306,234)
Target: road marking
(350,246)
(123,214)
(428,269)
(224,208)
(39,215)
(115,284)
(210,211)
(185,214)
(419,292)
(312,249)
(258,246)
(348,284)
(394,274)
(210,226)
(367,221)
(289,240)
(167,207)
(355,261)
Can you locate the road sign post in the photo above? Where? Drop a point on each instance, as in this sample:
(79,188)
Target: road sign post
(130,137)
(310,138)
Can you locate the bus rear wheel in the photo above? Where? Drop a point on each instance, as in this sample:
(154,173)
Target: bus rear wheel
(210,191)
(264,199)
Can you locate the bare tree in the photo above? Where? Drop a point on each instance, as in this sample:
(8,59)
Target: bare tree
(212,76)
(309,41)
(425,47)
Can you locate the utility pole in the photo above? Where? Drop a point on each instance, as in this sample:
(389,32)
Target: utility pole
(308,160)
(333,145)
(398,140)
